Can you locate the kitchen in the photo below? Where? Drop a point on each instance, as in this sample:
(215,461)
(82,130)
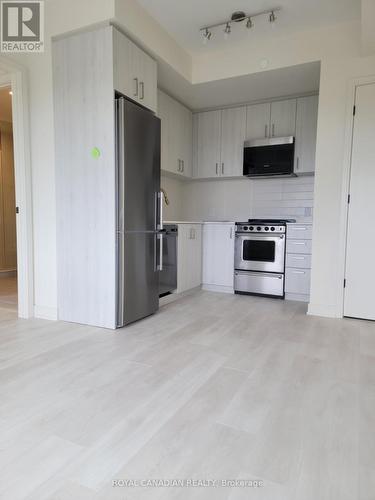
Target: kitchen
(260,154)
(234,195)
(193,220)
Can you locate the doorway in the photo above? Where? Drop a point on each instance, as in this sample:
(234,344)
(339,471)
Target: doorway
(360,271)
(8,232)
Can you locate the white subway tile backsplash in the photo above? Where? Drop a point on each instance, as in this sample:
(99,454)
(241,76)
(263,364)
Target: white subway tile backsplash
(288,198)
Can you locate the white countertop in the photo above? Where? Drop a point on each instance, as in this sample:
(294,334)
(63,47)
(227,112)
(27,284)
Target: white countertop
(197,222)
(181,222)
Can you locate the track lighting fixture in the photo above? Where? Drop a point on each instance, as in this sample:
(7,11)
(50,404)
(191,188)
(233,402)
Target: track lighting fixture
(227,31)
(207,35)
(238,17)
(249,23)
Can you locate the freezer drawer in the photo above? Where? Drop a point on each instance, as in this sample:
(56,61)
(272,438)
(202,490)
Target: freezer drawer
(259,283)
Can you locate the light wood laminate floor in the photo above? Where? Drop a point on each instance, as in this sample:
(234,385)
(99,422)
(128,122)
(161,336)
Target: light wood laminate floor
(214,386)
(8,291)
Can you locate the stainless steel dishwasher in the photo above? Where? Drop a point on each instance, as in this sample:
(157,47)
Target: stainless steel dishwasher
(168,276)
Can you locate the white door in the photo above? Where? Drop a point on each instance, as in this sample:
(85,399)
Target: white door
(233,133)
(176,131)
(283,118)
(163,114)
(306,126)
(187,142)
(208,140)
(360,270)
(258,121)
(147,77)
(218,256)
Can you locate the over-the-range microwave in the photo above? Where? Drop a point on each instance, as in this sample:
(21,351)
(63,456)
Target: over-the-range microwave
(269,157)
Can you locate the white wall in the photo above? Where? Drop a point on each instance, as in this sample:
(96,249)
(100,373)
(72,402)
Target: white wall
(60,17)
(174,189)
(217,200)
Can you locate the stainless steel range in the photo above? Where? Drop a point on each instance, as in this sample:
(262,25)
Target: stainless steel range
(259,258)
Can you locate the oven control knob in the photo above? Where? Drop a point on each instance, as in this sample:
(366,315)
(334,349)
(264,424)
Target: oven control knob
(272,229)
(259,228)
(251,228)
(267,228)
(245,228)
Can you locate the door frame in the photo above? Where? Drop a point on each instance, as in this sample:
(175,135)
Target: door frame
(15,76)
(347,167)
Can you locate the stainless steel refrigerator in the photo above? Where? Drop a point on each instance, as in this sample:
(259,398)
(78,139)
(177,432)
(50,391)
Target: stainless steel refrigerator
(139,212)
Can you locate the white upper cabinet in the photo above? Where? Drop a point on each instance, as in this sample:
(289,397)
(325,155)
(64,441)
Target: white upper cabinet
(275,119)
(176,136)
(283,118)
(258,121)
(187,142)
(164,119)
(218,142)
(134,71)
(306,127)
(207,135)
(219,136)
(233,132)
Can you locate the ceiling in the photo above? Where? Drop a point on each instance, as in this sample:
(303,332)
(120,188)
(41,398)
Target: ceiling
(5,105)
(294,80)
(183,19)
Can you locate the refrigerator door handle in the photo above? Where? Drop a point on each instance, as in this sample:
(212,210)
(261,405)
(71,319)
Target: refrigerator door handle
(161,240)
(160,199)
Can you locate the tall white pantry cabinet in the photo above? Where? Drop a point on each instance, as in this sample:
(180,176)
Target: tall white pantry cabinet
(87,69)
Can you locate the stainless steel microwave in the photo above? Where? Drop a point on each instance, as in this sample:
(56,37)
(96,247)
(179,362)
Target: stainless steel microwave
(269,157)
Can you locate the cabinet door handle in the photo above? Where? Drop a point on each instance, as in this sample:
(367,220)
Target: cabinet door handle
(298,272)
(179,165)
(273,130)
(142,86)
(183,165)
(136,92)
(266,131)
(297,166)
(217,167)
(222,169)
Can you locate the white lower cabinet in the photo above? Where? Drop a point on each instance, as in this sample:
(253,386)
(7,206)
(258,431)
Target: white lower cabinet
(189,257)
(218,257)
(298,262)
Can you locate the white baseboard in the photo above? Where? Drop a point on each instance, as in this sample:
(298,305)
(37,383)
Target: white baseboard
(44,312)
(218,288)
(327,311)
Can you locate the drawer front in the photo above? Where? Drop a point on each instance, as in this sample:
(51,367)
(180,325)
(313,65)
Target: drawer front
(298,260)
(299,232)
(297,281)
(259,283)
(298,246)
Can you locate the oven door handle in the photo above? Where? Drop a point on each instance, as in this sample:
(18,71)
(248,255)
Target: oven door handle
(252,237)
(274,276)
